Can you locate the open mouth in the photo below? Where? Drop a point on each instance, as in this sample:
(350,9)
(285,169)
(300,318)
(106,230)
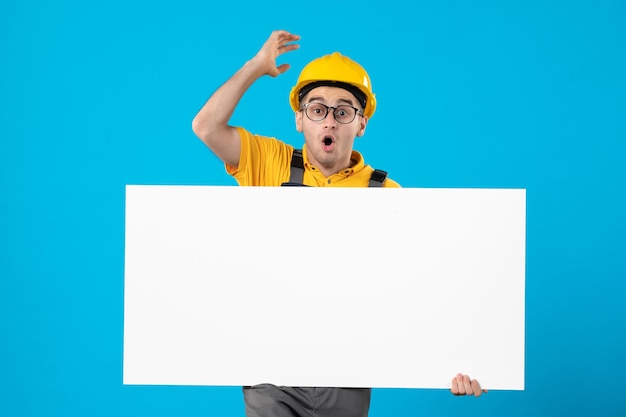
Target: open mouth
(328,143)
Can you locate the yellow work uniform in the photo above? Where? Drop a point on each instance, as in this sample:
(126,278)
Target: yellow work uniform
(267,161)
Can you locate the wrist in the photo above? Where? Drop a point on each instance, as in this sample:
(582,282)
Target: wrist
(255,67)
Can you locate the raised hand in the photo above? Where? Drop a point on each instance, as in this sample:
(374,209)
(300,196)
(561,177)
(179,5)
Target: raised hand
(279,42)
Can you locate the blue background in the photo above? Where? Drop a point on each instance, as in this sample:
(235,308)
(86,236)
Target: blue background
(96,95)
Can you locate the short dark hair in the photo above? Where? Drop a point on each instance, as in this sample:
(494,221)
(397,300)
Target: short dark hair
(360,96)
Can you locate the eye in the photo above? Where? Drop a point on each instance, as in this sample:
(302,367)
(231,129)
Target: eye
(317,109)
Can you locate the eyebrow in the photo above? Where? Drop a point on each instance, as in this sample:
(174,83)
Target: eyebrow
(342,100)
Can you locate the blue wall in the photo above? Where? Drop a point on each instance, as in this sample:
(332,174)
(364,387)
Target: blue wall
(96,95)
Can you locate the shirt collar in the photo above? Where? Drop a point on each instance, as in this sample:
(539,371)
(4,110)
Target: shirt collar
(356,159)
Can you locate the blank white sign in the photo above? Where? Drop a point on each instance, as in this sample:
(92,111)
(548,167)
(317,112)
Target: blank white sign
(305,286)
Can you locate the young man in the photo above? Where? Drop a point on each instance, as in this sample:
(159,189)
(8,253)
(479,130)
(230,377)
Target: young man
(333,102)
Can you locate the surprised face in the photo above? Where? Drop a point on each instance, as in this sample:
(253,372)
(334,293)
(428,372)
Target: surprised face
(329,143)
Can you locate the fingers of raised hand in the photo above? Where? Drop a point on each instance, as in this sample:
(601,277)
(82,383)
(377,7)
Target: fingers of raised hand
(282,40)
(285,42)
(279,42)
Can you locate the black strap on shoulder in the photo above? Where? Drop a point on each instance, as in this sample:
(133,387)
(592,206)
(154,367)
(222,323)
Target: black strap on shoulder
(297,167)
(378,178)
(297,172)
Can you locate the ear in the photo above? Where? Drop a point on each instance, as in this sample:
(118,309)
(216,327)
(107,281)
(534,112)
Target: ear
(299,121)
(362,126)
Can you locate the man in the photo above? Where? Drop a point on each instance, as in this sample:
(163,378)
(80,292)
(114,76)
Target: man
(333,102)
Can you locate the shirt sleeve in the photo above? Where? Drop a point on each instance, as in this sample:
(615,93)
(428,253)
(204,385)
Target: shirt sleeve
(263,161)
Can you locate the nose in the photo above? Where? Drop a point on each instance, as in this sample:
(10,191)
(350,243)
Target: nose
(329,121)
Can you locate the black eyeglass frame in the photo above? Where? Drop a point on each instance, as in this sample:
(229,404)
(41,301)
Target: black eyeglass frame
(305,108)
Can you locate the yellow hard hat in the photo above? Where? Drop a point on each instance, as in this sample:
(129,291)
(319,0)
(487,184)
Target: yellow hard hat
(335,70)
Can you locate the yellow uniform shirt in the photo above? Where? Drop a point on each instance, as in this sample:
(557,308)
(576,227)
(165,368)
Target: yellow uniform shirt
(267,161)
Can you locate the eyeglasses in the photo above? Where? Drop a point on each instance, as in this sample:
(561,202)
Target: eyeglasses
(343,114)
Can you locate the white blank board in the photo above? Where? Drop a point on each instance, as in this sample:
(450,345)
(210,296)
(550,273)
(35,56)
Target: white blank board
(304,286)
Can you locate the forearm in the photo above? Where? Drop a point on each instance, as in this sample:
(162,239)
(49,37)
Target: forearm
(217,111)
(211,122)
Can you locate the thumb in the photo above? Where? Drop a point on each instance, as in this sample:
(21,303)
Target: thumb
(282,68)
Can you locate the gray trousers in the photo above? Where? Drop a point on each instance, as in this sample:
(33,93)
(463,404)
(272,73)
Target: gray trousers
(268,400)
